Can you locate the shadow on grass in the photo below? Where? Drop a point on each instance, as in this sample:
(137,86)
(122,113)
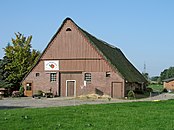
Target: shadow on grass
(11,107)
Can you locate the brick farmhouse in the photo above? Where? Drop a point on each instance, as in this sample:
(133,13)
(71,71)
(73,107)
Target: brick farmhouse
(76,63)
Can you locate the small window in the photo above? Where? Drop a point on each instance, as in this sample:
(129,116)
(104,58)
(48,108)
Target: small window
(108,74)
(52,77)
(37,74)
(28,87)
(68,29)
(88,77)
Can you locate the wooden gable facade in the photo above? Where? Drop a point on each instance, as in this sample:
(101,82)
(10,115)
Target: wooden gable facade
(72,65)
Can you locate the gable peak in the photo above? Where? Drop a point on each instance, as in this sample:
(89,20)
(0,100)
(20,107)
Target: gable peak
(68,18)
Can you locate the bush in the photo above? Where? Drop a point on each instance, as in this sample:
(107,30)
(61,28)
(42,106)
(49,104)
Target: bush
(131,94)
(138,91)
(21,90)
(149,90)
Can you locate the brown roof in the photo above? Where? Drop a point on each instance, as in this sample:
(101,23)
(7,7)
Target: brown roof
(168,80)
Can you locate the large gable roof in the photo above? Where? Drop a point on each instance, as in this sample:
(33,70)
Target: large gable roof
(112,54)
(116,58)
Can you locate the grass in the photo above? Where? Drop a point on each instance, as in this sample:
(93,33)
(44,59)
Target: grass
(156,87)
(121,116)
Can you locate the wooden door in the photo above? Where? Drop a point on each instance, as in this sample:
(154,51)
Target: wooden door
(28,90)
(70,85)
(116,90)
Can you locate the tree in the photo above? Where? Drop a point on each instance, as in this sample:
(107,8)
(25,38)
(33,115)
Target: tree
(20,58)
(146,75)
(3,73)
(167,73)
(154,78)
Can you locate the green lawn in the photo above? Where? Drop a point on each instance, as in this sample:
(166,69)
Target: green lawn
(121,116)
(156,87)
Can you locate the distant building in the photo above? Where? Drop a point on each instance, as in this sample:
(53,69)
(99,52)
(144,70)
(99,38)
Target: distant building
(169,84)
(76,63)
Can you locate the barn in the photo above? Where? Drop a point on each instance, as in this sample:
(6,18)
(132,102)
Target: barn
(77,63)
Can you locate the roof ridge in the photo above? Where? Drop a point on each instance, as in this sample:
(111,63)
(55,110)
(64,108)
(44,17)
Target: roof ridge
(112,46)
(104,42)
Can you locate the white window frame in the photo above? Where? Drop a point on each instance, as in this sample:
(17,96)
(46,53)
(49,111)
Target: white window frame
(87,78)
(50,76)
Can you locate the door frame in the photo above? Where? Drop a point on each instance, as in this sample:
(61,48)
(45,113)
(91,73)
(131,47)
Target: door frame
(74,87)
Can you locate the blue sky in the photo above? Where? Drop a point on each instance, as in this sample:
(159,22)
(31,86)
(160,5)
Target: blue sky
(142,29)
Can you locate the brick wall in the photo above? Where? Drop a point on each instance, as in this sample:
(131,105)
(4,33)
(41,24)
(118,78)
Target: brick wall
(41,82)
(99,82)
(169,85)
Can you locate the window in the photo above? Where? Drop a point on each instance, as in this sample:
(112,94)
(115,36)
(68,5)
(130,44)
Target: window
(28,87)
(88,77)
(37,74)
(68,29)
(108,74)
(53,77)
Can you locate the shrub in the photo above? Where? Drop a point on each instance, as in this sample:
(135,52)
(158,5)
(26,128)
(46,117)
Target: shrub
(138,91)
(21,90)
(149,90)
(131,94)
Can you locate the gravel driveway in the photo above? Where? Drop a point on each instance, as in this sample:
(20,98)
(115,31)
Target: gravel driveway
(28,102)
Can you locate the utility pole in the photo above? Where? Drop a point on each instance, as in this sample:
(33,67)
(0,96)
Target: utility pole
(144,71)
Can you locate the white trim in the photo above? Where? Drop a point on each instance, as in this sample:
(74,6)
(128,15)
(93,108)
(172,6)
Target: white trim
(51,77)
(50,72)
(74,87)
(58,84)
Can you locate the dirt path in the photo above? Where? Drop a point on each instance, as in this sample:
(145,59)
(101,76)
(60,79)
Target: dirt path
(28,102)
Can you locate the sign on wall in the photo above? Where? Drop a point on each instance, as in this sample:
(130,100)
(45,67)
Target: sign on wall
(51,65)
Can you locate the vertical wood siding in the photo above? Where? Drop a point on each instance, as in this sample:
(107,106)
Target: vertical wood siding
(74,52)
(68,45)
